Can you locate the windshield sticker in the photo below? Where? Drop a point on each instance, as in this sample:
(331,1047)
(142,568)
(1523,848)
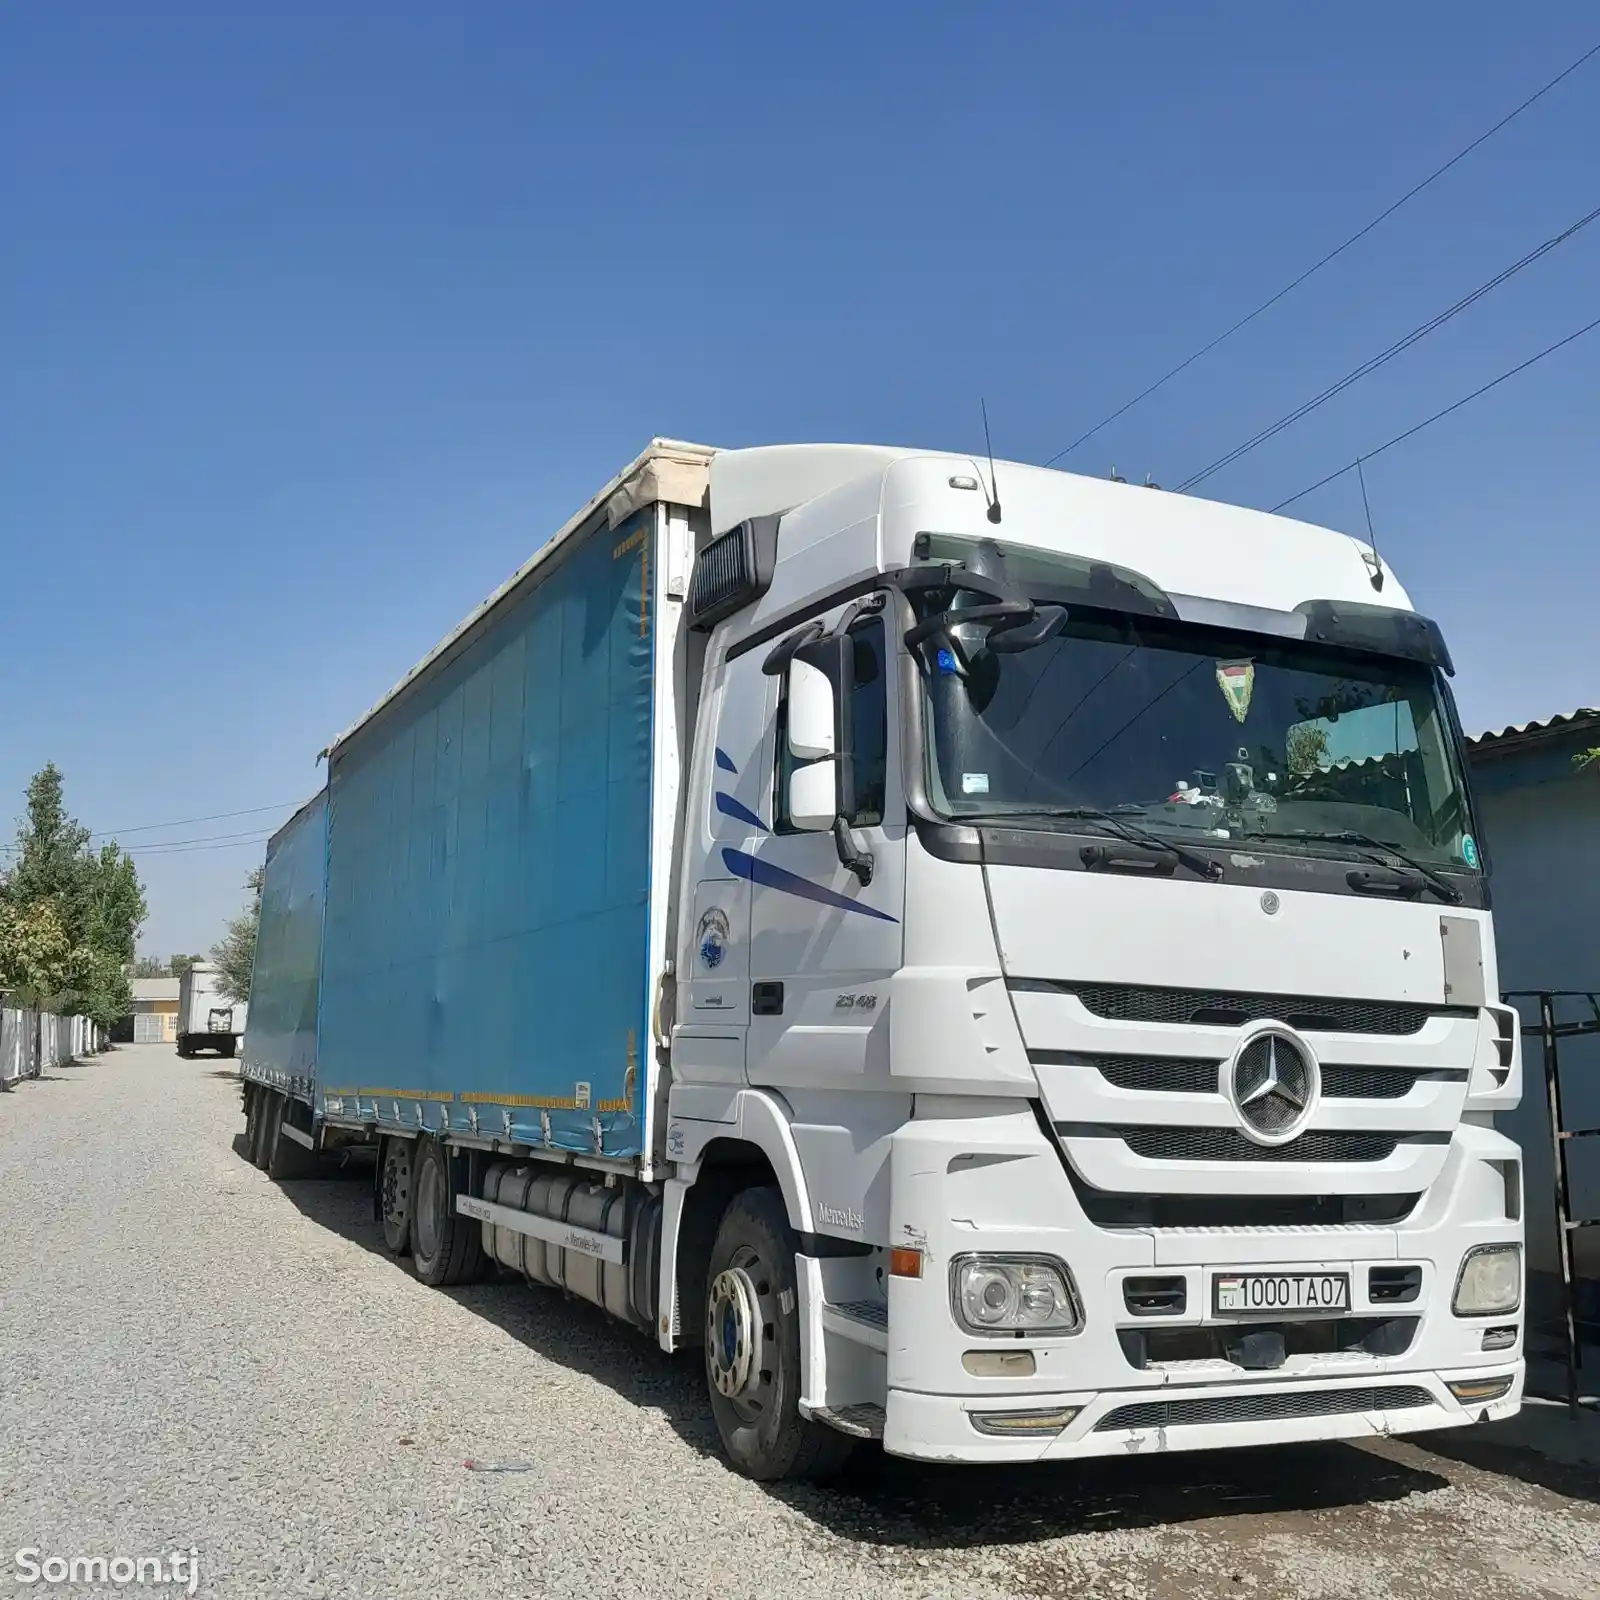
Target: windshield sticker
(974,783)
(1469,850)
(1237,680)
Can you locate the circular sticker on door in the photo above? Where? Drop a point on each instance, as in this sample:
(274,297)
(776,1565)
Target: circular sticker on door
(1469,850)
(713,937)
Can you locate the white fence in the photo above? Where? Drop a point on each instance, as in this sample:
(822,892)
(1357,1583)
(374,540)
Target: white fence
(31,1042)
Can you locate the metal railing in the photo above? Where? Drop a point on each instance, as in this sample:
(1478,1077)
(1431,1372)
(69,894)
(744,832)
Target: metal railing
(31,1042)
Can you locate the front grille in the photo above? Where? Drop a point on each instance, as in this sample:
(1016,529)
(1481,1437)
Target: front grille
(1224,1008)
(1186,1212)
(1182,1075)
(1162,1074)
(1263,1407)
(1228,1144)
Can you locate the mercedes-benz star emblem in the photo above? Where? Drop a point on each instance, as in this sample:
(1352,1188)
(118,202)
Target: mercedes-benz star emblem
(1273,1082)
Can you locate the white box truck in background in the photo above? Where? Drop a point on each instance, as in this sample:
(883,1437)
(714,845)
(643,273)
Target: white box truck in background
(1011,986)
(207,1020)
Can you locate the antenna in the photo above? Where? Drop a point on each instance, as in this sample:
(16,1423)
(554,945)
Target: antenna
(988,444)
(1371,557)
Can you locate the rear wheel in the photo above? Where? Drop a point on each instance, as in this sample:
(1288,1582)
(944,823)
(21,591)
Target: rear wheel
(445,1246)
(752,1347)
(394,1194)
(267,1120)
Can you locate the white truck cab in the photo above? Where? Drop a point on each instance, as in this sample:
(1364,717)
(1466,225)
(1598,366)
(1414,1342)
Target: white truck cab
(1080,915)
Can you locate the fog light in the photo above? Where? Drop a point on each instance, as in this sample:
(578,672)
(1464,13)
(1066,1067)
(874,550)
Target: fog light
(1474,1391)
(1490,1281)
(1499,1338)
(1014,1294)
(999,1363)
(1023,1424)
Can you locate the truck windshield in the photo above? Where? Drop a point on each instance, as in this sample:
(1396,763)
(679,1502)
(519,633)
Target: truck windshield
(1198,732)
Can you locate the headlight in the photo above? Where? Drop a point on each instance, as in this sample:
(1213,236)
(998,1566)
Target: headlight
(1014,1294)
(1490,1281)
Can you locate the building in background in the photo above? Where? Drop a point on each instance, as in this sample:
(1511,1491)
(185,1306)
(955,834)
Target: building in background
(154,1019)
(1540,816)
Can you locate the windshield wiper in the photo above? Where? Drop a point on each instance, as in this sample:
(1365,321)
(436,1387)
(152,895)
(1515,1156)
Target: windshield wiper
(1441,886)
(1120,828)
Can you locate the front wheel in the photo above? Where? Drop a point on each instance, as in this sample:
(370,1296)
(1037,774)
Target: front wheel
(752,1332)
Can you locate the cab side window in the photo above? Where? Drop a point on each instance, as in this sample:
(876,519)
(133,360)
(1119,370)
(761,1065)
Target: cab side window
(869,707)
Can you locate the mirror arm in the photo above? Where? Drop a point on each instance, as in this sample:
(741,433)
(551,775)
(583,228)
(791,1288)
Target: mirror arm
(855,860)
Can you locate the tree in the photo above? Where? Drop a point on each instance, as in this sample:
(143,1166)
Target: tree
(235,955)
(1586,759)
(148,967)
(70,914)
(1308,749)
(179,965)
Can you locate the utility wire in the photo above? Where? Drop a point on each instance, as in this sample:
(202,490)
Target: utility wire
(1427,422)
(1338,250)
(184,822)
(1372,363)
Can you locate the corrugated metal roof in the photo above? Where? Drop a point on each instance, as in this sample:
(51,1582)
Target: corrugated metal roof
(1519,730)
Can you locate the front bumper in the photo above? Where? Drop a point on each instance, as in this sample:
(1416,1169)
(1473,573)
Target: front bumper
(993,1182)
(931,1427)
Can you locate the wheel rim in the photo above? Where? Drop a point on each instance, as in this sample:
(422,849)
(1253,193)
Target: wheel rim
(396,1186)
(425,1218)
(741,1333)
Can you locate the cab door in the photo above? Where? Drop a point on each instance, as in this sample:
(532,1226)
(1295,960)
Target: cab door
(822,944)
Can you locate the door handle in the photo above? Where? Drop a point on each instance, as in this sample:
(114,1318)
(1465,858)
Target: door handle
(766,999)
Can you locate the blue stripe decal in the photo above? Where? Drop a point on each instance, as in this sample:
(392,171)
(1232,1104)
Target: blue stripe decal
(730,807)
(744,865)
(725,762)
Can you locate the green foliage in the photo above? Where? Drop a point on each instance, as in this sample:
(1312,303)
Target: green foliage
(235,955)
(68,914)
(1307,749)
(179,965)
(1586,759)
(148,967)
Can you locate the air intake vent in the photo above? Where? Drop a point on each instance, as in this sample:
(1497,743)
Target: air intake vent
(1228,1144)
(1220,1008)
(1263,1407)
(732,571)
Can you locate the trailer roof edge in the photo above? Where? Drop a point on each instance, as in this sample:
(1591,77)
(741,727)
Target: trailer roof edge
(666,469)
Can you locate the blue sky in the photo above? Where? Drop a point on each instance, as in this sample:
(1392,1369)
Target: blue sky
(315,320)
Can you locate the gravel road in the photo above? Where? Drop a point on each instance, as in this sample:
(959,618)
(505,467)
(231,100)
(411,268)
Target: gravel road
(191,1355)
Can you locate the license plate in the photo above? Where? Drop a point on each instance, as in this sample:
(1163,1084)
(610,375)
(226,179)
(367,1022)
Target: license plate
(1253,1293)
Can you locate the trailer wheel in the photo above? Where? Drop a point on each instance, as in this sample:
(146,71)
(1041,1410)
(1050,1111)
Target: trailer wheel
(394,1194)
(446,1247)
(752,1347)
(267,1120)
(252,1112)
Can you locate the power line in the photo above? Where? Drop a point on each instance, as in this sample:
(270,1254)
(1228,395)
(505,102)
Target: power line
(1427,422)
(1338,250)
(184,822)
(1372,363)
(178,846)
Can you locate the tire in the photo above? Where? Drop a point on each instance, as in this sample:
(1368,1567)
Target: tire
(446,1247)
(227,1051)
(252,1114)
(394,1194)
(286,1158)
(267,1122)
(752,1348)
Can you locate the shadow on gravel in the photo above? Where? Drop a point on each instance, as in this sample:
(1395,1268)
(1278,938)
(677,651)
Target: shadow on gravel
(889,1502)
(901,1503)
(1487,1454)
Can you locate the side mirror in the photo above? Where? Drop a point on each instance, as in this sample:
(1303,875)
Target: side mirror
(811,712)
(813,788)
(811,797)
